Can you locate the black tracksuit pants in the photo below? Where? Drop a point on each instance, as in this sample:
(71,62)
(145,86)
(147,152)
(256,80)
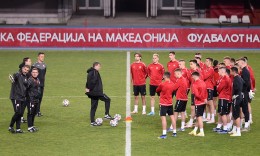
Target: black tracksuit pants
(94,105)
(31,107)
(245,106)
(18,106)
(40,101)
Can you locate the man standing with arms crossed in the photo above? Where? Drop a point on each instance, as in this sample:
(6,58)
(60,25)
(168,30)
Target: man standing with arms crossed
(155,73)
(41,66)
(139,75)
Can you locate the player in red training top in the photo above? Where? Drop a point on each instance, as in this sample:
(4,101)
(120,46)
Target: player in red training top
(252,80)
(139,74)
(199,90)
(180,87)
(209,78)
(155,73)
(223,88)
(194,67)
(215,79)
(172,65)
(184,71)
(165,89)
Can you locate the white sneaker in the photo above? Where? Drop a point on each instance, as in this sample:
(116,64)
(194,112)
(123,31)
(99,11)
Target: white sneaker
(210,122)
(235,134)
(143,113)
(134,112)
(251,121)
(205,120)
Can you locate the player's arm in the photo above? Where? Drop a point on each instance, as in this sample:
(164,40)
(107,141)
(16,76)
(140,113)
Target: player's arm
(207,75)
(159,89)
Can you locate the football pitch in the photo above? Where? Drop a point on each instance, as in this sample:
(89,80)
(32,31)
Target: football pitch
(67,130)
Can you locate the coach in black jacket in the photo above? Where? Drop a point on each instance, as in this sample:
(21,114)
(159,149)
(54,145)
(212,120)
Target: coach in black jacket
(94,90)
(18,97)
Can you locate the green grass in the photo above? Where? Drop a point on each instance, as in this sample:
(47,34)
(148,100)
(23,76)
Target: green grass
(66,130)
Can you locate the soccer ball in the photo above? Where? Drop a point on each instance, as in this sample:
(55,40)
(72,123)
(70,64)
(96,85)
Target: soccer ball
(99,121)
(65,102)
(117,117)
(113,123)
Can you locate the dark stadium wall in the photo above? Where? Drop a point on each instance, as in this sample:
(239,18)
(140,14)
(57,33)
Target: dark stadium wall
(131,5)
(30,6)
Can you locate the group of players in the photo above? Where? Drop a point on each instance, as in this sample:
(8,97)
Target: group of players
(226,88)
(27,91)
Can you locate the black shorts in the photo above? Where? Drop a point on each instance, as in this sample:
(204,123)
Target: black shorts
(166,110)
(180,106)
(153,90)
(229,107)
(223,107)
(210,94)
(215,92)
(192,99)
(236,107)
(139,89)
(199,110)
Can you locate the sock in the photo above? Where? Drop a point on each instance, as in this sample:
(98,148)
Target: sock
(171,127)
(195,129)
(186,113)
(201,130)
(234,129)
(144,108)
(225,128)
(136,108)
(219,125)
(152,109)
(246,124)
(182,125)
(215,111)
(228,125)
(250,117)
(204,115)
(191,121)
(208,116)
(230,115)
(164,132)
(238,130)
(212,117)
(174,131)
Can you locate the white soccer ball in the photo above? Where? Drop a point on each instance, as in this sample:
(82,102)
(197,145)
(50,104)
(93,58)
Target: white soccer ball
(113,123)
(65,102)
(99,121)
(117,117)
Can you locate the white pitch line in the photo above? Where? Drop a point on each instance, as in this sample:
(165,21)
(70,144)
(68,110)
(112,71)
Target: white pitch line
(128,107)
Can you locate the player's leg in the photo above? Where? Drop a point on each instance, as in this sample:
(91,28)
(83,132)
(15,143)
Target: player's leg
(17,116)
(223,114)
(194,131)
(250,111)
(163,111)
(183,114)
(245,111)
(39,114)
(170,112)
(152,94)
(211,106)
(143,93)
(23,120)
(215,99)
(192,110)
(94,105)
(107,101)
(136,90)
(31,108)
(236,116)
(220,123)
(199,114)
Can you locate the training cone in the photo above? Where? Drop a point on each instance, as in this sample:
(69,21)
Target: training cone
(128,119)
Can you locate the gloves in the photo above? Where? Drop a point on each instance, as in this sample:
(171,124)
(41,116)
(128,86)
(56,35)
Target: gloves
(251,94)
(234,97)
(11,78)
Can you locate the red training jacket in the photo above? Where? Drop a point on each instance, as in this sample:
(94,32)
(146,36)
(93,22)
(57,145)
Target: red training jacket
(208,77)
(181,87)
(155,73)
(139,73)
(199,90)
(165,89)
(171,66)
(224,88)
